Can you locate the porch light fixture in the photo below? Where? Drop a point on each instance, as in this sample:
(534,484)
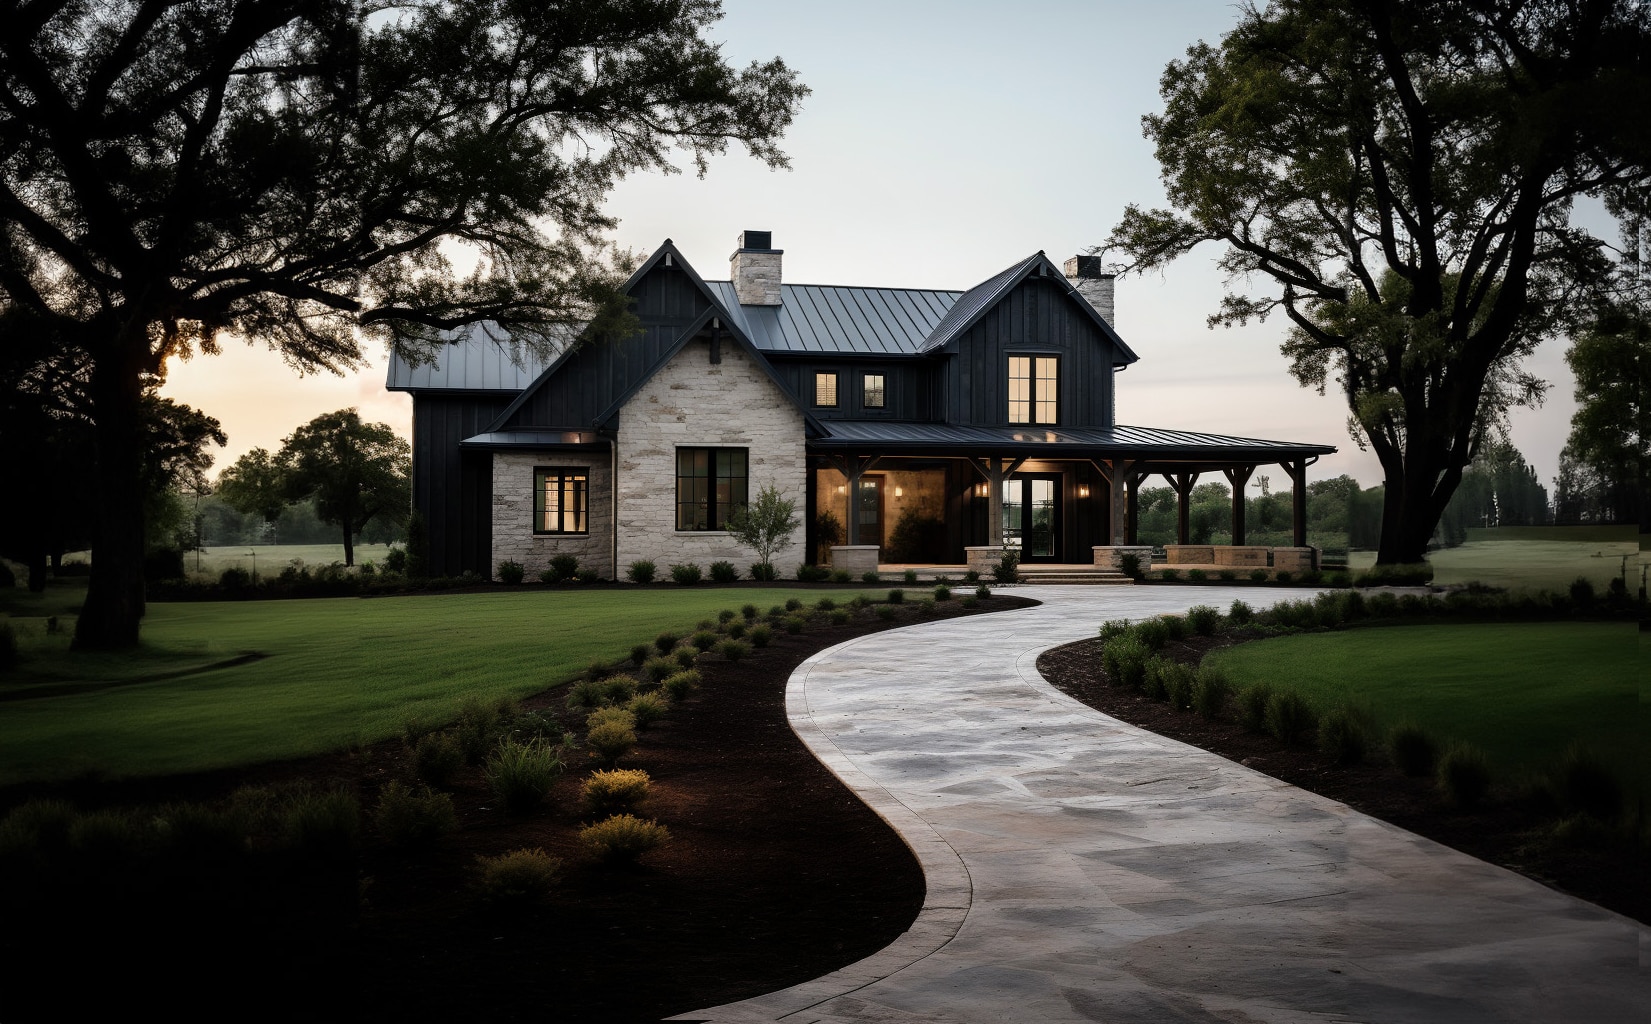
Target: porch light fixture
(980,490)
(899,493)
(1083,490)
(842,488)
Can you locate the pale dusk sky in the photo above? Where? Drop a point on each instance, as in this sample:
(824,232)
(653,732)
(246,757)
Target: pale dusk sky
(943,142)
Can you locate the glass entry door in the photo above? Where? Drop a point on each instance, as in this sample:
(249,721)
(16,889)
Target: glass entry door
(1031,516)
(869,509)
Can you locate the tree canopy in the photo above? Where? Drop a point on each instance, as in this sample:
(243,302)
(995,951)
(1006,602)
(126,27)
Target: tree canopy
(1402,175)
(355,471)
(307,175)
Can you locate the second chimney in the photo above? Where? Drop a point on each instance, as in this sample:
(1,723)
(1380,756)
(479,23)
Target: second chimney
(1094,282)
(755,269)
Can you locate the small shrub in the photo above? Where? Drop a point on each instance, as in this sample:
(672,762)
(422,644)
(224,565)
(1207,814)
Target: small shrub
(971,576)
(724,572)
(1344,736)
(1203,619)
(983,592)
(1124,659)
(518,878)
(1583,784)
(395,560)
(871,576)
(1152,680)
(885,612)
(726,616)
(1180,685)
(735,630)
(760,636)
(1113,627)
(970,602)
(612,740)
(1226,574)
(1153,632)
(640,654)
(764,572)
(537,725)
(1582,592)
(1239,613)
(704,640)
(841,576)
(942,593)
(657,669)
(685,656)
(793,623)
(1197,575)
(824,604)
(1258,575)
(622,838)
(1290,719)
(616,791)
(641,571)
(666,642)
(793,604)
(235,578)
(909,576)
(841,616)
(587,693)
(479,725)
(1464,776)
(685,574)
(1007,569)
(1176,624)
(776,613)
(1211,693)
(511,573)
(599,669)
(409,819)
(750,612)
(1129,563)
(563,568)
(1167,575)
(734,650)
(521,774)
(602,716)
(681,684)
(648,708)
(437,759)
(588,576)
(1252,707)
(618,689)
(325,824)
(1413,751)
(925,606)
(812,573)
(896,596)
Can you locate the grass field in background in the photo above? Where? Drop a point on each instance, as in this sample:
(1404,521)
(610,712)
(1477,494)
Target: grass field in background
(268,559)
(1522,692)
(1533,558)
(333,673)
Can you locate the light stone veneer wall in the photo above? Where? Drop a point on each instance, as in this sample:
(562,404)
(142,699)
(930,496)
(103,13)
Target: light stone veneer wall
(513,536)
(693,402)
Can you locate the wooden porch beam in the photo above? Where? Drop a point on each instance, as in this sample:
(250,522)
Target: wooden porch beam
(1239,478)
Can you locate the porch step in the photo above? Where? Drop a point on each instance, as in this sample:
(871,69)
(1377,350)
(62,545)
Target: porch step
(1070,575)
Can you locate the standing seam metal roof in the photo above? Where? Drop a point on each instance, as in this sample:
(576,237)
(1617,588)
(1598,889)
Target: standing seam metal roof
(838,319)
(973,301)
(472,361)
(1118,437)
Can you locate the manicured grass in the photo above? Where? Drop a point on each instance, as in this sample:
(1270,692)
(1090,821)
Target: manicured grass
(268,559)
(334,672)
(1521,692)
(1532,564)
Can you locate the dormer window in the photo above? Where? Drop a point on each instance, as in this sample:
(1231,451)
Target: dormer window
(825,390)
(1034,390)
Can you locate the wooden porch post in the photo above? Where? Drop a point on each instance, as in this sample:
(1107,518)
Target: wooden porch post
(1133,513)
(853,467)
(1117,479)
(1239,478)
(1182,484)
(995,470)
(1298,499)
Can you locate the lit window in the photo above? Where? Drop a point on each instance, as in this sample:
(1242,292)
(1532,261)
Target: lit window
(711,484)
(874,391)
(1034,389)
(561,500)
(825,390)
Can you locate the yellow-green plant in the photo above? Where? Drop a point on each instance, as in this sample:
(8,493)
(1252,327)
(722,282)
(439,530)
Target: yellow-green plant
(611,740)
(518,877)
(622,838)
(615,791)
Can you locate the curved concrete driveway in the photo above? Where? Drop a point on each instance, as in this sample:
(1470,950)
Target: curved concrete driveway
(1080,869)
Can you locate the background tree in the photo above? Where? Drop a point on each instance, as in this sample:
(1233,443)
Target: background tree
(255,485)
(355,471)
(1402,172)
(294,173)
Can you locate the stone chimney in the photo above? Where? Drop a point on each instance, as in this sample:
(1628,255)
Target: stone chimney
(755,269)
(1094,282)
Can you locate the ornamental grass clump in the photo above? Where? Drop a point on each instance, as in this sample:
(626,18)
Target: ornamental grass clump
(587,693)
(480,724)
(411,819)
(726,616)
(517,879)
(734,630)
(681,684)
(824,604)
(749,612)
(1413,750)
(325,823)
(793,623)
(616,791)
(612,739)
(618,689)
(1584,784)
(437,759)
(1464,776)
(840,616)
(733,650)
(622,838)
(1290,719)
(1344,735)
(666,642)
(641,653)
(658,669)
(521,774)
(685,656)
(704,640)
(648,708)
(793,604)
(1203,620)
(760,636)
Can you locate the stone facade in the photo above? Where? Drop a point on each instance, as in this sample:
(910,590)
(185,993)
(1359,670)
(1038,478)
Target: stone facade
(1111,556)
(1189,554)
(854,559)
(1249,555)
(693,402)
(1296,559)
(756,277)
(513,536)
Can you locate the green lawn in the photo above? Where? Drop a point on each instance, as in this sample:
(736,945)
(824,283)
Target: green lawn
(1535,558)
(1522,692)
(333,672)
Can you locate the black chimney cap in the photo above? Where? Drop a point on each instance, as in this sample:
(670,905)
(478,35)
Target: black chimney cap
(756,240)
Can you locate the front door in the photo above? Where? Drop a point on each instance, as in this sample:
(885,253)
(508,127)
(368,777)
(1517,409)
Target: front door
(1031,516)
(869,509)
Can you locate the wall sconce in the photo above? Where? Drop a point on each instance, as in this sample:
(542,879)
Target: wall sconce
(980,490)
(842,488)
(1083,490)
(899,493)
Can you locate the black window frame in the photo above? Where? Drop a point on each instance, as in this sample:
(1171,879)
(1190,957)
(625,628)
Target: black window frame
(866,391)
(580,476)
(836,389)
(1034,395)
(717,509)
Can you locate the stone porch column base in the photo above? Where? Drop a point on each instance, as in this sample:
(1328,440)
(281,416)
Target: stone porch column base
(1296,559)
(1109,555)
(856,559)
(983,558)
(1189,554)
(1248,555)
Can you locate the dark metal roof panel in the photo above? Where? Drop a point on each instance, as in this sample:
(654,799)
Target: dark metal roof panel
(1141,440)
(474,361)
(971,302)
(540,438)
(839,320)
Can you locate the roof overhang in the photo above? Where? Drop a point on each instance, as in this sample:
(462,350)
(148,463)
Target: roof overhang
(538,439)
(1188,451)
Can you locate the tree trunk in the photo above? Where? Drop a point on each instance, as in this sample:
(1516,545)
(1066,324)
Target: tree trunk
(349,544)
(114,598)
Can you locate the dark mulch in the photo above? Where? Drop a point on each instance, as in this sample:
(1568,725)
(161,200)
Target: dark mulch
(775,875)
(1511,830)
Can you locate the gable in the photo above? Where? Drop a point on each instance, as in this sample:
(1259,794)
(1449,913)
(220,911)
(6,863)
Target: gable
(1065,312)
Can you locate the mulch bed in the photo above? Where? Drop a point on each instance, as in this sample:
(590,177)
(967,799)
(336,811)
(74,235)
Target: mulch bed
(775,875)
(1510,830)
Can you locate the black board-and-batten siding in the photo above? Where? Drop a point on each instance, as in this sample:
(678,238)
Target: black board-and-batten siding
(453,486)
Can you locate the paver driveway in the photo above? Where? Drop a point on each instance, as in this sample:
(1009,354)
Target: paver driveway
(1080,869)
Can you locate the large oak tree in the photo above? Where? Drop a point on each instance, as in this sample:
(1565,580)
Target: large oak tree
(1401,175)
(303,172)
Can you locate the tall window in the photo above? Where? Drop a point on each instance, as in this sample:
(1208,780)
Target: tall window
(710,484)
(873,398)
(825,390)
(561,500)
(1034,389)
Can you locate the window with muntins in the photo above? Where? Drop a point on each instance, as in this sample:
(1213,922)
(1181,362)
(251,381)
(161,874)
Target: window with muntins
(825,390)
(561,500)
(873,397)
(710,484)
(1034,390)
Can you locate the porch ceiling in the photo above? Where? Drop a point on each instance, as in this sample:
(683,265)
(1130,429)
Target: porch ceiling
(1187,450)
